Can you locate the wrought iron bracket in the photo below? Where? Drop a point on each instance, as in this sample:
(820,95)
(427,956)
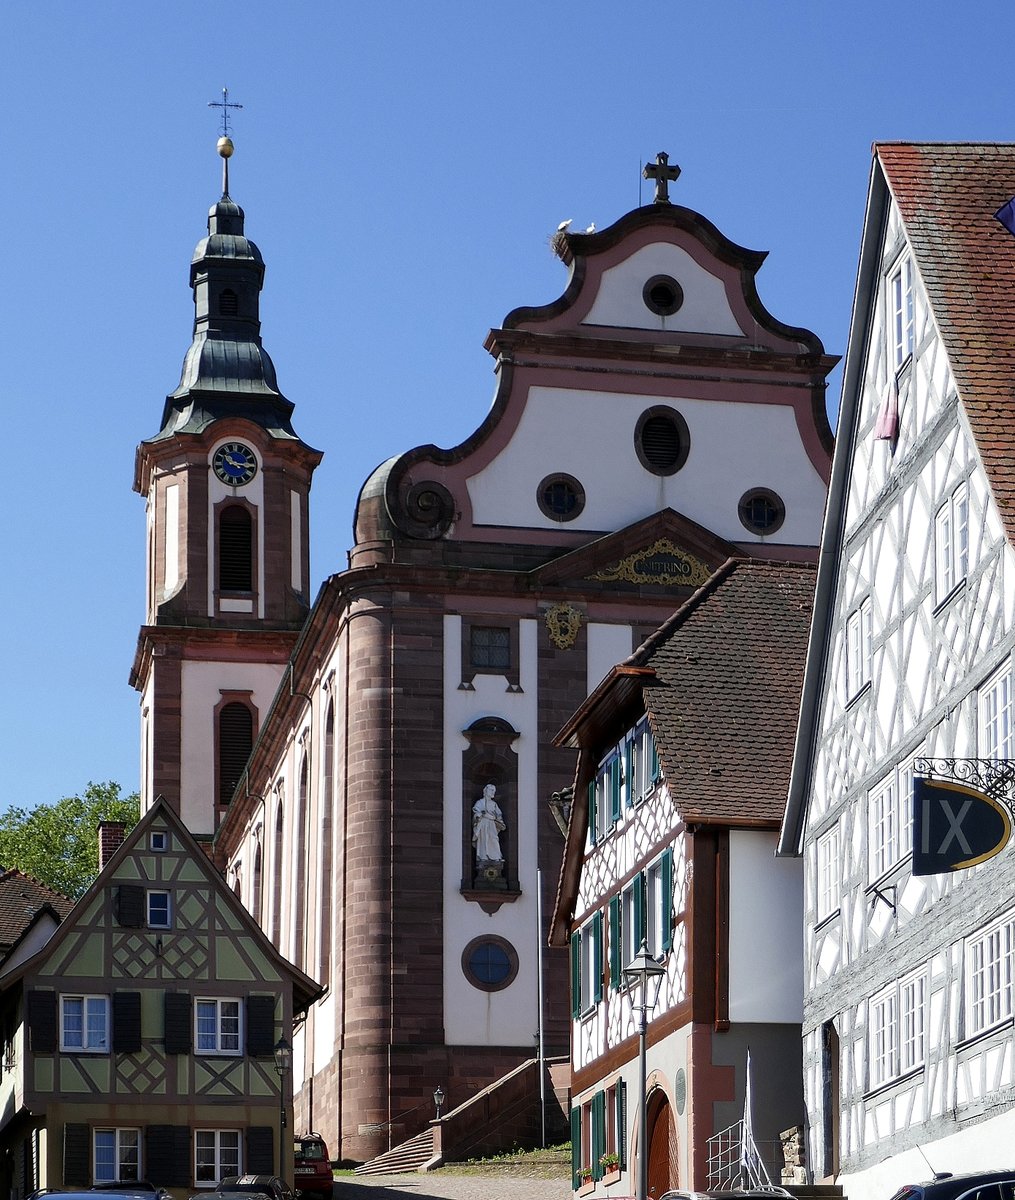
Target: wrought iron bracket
(994,776)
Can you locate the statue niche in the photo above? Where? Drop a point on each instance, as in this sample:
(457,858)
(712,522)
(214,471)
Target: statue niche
(490,812)
(487,826)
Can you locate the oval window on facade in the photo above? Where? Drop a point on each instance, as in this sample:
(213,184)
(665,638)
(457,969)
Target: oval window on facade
(490,963)
(560,497)
(662,440)
(761,511)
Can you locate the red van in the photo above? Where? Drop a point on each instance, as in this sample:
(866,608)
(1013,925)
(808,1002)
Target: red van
(312,1166)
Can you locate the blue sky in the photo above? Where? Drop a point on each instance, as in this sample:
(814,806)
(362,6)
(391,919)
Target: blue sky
(402,166)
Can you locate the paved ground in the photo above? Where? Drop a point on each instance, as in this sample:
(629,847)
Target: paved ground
(438,1185)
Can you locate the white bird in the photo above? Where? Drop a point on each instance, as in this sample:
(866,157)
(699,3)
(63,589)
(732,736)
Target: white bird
(591,228)
(562,227)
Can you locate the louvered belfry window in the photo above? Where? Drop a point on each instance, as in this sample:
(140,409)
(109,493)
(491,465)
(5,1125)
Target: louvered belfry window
(236,740)
(236,550)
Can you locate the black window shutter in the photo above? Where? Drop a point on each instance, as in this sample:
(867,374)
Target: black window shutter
(260,1026)
(42,1021)
(260,1148)
(178,1029)
(128,905)
(77,1155)
(167,1154)
(126,1022)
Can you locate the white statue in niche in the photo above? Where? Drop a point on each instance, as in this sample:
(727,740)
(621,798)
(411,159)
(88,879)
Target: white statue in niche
(487,823)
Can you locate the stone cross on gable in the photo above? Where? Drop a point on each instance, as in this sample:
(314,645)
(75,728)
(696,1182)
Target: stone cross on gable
(663,174)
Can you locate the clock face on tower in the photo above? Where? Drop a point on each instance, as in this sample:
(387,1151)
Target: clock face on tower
(234,464)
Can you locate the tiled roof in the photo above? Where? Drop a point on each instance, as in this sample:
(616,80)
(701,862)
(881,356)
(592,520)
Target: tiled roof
(21,897)
(729,667)
(947,195)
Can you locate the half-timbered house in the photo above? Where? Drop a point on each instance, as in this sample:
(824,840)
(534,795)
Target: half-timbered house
(909,1047)
(143,1031)
(684,753)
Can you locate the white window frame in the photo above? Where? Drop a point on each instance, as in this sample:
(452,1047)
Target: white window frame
(125,1166)
(92,1011)
(859,648)
(630,943)
(996,712)
(990,975)
(656,908)
(156,918)
(216,1154)
(158,841)
(827,886)
(897,1029)
(901,311)
(951,542)
(889,822)
(225,1011)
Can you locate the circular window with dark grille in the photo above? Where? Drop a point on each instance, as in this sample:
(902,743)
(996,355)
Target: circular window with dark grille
(490,963)
(662,440)
(662,295)
(560,497)
(761,511)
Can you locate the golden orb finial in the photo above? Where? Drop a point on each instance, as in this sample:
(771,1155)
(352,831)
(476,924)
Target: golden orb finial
(225,147)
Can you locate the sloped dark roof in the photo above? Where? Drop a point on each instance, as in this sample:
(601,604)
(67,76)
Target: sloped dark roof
(21,898)
(729,668)
(947,195)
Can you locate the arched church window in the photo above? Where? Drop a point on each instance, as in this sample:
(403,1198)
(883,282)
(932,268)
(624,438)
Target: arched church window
(235,741)
(236,549)
(300,890)
(276,897)
(327,795)
(229,304)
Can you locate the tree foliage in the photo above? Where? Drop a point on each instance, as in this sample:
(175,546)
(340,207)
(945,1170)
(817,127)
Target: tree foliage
(59,843)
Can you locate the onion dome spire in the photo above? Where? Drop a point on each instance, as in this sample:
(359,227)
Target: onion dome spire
(227,371)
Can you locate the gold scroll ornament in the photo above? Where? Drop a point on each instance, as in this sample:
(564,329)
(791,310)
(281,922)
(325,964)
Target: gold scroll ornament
(662,562)
(562,623)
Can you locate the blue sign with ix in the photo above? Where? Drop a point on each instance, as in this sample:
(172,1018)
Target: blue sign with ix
(955,826)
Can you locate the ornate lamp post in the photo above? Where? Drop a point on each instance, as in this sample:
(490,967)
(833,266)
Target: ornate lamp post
(643,976)
(283,1065)
(438,1100)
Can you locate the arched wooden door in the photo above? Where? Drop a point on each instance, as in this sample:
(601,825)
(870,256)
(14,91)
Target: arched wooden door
(662,1145)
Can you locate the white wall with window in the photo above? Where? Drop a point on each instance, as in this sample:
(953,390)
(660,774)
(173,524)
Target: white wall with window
(889,822)
(951,542)
(896,1030)
(827,874)
(901,310)
(859,648)
(996,729)
(989,975)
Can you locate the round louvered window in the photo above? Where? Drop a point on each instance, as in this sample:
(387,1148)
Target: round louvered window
(662,295)
(662,440)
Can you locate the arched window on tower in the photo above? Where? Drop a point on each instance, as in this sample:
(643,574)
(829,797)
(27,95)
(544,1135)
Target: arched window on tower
(328,784)
(235,741)
(236,549)
(300,890)
(276,889)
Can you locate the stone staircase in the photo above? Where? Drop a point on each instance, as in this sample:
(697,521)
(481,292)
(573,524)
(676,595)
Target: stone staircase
(413,1155)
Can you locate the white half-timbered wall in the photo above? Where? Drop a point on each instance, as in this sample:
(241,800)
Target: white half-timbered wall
(889,959)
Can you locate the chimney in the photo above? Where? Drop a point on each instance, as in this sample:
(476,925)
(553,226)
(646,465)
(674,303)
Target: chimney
(111,835)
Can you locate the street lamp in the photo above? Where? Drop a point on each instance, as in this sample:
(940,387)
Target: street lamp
(643,976)
(283,1064)
(438,1100)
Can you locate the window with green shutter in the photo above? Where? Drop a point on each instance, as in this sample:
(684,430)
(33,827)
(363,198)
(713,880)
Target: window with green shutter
(615,935)
(576,1147)
(576,976)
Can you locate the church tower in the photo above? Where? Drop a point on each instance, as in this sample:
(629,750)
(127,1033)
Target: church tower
(226,482)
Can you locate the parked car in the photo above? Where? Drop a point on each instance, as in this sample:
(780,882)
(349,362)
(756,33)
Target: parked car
(251,1187)
(312,1166)
(979,1185)
(764,1193)
(138,1189)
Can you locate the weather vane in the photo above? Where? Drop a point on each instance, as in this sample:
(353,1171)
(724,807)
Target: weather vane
(225,106)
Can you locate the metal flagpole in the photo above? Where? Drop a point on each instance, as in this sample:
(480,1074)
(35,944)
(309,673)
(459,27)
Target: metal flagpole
(539,1003)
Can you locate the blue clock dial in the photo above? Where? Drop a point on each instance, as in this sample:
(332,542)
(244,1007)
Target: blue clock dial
(234,464)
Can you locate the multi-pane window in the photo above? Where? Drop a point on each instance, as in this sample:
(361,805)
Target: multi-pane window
(217,1026)
(827,874)
(490,647)
(605,798)
(117,1155)
(900,301)
(641,768)
(896,1030)
(859,648)
(84,1023)
(889,827)
(160,913)
(216,1154)
(989,975)
(658,897)
(632,921)
(587,966)
(951,542)
(997,719)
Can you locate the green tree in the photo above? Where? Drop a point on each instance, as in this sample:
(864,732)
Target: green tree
(58,843)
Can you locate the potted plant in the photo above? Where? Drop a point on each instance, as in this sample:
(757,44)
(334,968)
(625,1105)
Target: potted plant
(584,1175)
(609,1162)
